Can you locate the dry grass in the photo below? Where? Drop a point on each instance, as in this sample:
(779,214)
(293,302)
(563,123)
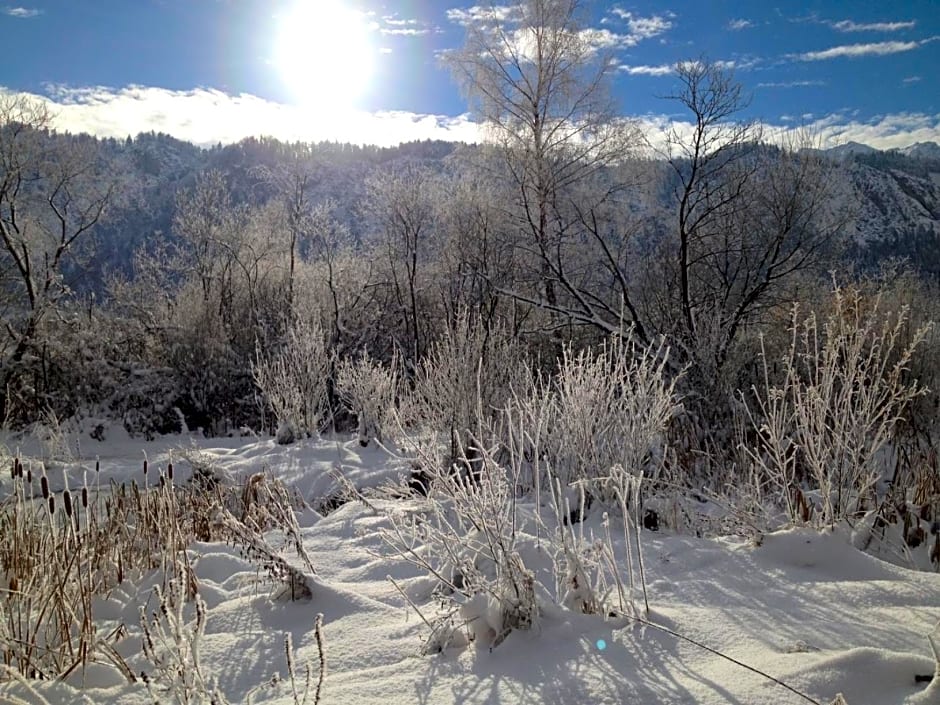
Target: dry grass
(60,550)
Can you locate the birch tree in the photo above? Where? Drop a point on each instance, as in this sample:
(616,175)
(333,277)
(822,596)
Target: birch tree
(541,89)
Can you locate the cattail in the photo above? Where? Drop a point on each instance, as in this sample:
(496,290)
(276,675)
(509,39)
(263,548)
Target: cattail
(288,651)
(19,468)
(67,499)
(13,470)
(97,465)
(145,467)
(29,475)
(52,504)
(44,483)
(169,470)
(84,498)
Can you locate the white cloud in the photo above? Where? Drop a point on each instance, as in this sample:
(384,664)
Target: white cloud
(636,29)
(662,70)
(394,21)
(911,79)
(790,84)
(850,26)
(856,50)
(405,31)
(603,38)
(669,69)
(21,12)
(206,116)
(737,65)
(641,28)
(737,25)
(883,132)
(392,25)
(482,14)
(726,64)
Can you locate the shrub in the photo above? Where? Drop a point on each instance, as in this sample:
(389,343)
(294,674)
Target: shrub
(293,380)
(369,390)
(826,425)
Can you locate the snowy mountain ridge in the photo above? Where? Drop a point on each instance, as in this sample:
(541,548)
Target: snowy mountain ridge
(918,150)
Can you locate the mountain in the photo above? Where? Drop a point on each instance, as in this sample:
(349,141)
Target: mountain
(896,203)
(922,150)
(849,149)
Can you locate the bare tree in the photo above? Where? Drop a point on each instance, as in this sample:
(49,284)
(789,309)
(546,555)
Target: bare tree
(203,219)
(52,194)
(541,89)
(329,238)
(293,181)
(710,166)
(403,206)
(749,216)
(473,253)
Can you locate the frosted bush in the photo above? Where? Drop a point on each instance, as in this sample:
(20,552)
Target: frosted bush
(823,429)
(593,431)
(466,536)
(369,390)
(609,409)
(462,384)
(293,380)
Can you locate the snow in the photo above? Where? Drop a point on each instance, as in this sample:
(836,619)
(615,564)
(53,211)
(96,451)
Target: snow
(809,608)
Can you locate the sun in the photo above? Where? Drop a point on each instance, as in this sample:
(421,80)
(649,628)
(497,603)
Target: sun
(323,53)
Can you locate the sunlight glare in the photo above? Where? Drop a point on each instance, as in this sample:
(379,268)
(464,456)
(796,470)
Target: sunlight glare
(323,53)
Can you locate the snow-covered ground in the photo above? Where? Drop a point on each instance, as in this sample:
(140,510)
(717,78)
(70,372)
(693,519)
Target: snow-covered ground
(810,609)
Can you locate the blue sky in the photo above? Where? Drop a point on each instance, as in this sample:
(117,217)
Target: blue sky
(369,71)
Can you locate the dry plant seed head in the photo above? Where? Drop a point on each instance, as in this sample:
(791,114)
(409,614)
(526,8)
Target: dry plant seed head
(44,483)
(84,498)
(52,504)
(29,475)
(145,467)
(67,500)
(288,651)
(169,470)
(97,465)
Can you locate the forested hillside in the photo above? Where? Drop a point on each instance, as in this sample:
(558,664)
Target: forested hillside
(895,196)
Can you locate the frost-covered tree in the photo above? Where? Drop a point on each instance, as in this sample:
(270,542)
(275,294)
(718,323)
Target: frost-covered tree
(52,195)
(540,86)
(749,218)
(403,205)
